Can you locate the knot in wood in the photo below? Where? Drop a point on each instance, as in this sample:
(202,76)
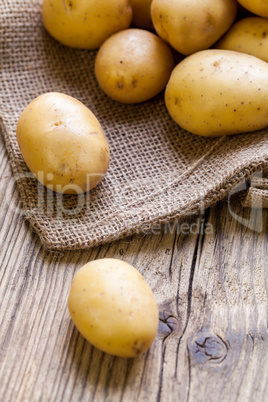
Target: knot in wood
(168,323)
(206,347)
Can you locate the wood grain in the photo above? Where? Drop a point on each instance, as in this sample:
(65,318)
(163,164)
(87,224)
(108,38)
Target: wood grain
(209,276)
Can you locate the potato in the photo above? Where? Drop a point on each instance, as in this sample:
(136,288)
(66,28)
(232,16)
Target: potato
(219,92)
(133,65)
(190,26)
(85,23)
(259,7)
(249,35)
(141,14)
(113,307)
(63,143)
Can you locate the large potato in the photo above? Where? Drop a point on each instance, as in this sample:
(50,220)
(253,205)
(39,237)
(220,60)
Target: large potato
(113,307)
(63,143)
(219,92)
(192,25)
(85,23)
(133,65)
(259,7)
(249,35)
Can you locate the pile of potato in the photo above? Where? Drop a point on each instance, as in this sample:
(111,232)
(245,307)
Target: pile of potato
(212,93)
(133,65)
(218,87)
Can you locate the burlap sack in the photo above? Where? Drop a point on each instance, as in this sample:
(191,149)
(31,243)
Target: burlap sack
(256,195)
(158,172)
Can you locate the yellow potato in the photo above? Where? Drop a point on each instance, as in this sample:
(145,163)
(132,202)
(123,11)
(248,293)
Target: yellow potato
(249,35)
(133,65)
(85,23)
(259,7)
(141,14)
(190,26)
(219,92)
(113,307)
(63,143)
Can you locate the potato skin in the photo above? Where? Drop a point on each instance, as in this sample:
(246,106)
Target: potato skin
(259,7)
(85,23)
(63,143)
(219,92)
(113,307)
(133,65)
(192,25)
(249,35)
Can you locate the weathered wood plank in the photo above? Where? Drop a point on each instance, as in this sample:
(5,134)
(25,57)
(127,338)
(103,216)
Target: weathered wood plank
(227,313)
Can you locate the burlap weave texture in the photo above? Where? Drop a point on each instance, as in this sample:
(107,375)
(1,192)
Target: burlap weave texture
(158,172)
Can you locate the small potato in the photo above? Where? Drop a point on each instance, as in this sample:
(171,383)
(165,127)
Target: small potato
(113,307)
(141,14)
(63,143)
(259,7)
(190,26)
(219,92)
(133,65)
(249,35)
(85,23)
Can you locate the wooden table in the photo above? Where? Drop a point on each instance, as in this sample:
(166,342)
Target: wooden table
(209,276)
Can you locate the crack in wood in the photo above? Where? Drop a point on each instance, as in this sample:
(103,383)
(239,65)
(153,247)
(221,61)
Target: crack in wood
(189,299)
(189,374)
(172,253)
(158,399)
(203,230)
